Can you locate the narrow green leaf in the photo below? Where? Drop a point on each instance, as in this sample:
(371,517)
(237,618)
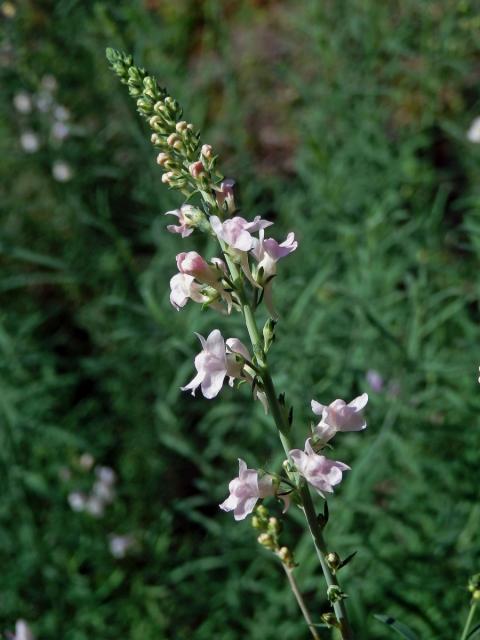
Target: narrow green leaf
(399,627)
(474,633)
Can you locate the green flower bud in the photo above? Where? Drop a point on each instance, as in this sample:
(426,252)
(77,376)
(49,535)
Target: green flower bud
(330,620)
(267,541)
(333,560)
(335,594)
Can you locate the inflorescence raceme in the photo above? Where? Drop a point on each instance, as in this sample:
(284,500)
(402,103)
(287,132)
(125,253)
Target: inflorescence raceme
(240,280)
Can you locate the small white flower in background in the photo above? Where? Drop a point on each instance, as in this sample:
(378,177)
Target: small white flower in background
(375,380)
(473,134)
(49,83)
(60,130)
(22,631)
(106,475)
(62,171)
(77,501)
(120,545)
(95,506)
(319,471)
(61,113)
(246,490)
(340,416)
(30,142)
(44,101)
(64,474)
(103,491)
(86,461)
(22,102)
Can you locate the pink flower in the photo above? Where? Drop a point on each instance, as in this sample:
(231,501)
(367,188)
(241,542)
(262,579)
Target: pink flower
(187,216)
(339,416)
(246,490)
(196,169)
(213,363)
(319,471)
(268,252)
(183,288)
(236,232)
(225,194)
(191,263)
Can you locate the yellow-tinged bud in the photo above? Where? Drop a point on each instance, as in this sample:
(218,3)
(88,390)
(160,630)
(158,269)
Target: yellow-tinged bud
(162,159)
(178,145)
(262,511)
(155,138)
(181,126)
(168,177)
(172,139)
(333,560)
(266,540)
(207,151)
(476,595)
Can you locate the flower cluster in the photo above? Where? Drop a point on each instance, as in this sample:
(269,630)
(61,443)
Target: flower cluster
(101,494)
(44,121)
(240,280)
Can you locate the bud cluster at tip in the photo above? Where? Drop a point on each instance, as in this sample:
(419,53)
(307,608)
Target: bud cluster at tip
(269,529)
(187,166)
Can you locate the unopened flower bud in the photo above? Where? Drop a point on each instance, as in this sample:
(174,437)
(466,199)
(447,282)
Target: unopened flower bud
(181,126)
(172,139)
(474,583)
(162,159)
(476,595)
(256,524)
(155,121)
(333,560)
(207,151)
(330,619)
(286,557)
(335,594)
(197,169)
(274,526)
(190,127)
(178,145)
(168,177)
(159,108)
(262,511)
(155,139)
(266,541)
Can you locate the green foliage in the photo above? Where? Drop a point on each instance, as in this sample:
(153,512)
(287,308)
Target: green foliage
(346,123)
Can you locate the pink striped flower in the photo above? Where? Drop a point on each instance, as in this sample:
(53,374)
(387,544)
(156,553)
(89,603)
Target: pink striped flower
(319,471)
(246,490)
(340,416)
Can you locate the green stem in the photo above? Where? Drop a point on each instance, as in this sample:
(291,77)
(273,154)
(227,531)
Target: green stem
(469,621)
(300,601)
(283,430)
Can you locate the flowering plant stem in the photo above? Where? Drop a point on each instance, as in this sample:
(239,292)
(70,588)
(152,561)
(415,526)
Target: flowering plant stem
(298,596)
(469,621)
(283,429)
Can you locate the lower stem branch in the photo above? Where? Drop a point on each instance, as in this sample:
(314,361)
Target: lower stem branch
(300,601)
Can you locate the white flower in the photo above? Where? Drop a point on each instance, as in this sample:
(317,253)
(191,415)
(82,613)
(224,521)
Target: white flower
(214,362)
(340,416)
(319,471)
(86,461)
(95,506)
(60,130)
(245,490)
(22,102)
(473,134)
(61,171)
(106,475)
(61,113)
(30,142)
(49,83)
(22,631)
(77,501)
(120,545)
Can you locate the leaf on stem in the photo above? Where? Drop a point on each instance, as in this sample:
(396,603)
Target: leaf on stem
(397,626)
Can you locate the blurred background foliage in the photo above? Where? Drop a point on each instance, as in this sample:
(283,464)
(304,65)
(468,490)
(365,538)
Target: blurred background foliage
(345,122)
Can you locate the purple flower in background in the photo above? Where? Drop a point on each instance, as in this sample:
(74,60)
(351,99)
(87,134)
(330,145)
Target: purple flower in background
(375,380)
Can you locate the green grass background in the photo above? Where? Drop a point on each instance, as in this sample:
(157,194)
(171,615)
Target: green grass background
(343,121)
